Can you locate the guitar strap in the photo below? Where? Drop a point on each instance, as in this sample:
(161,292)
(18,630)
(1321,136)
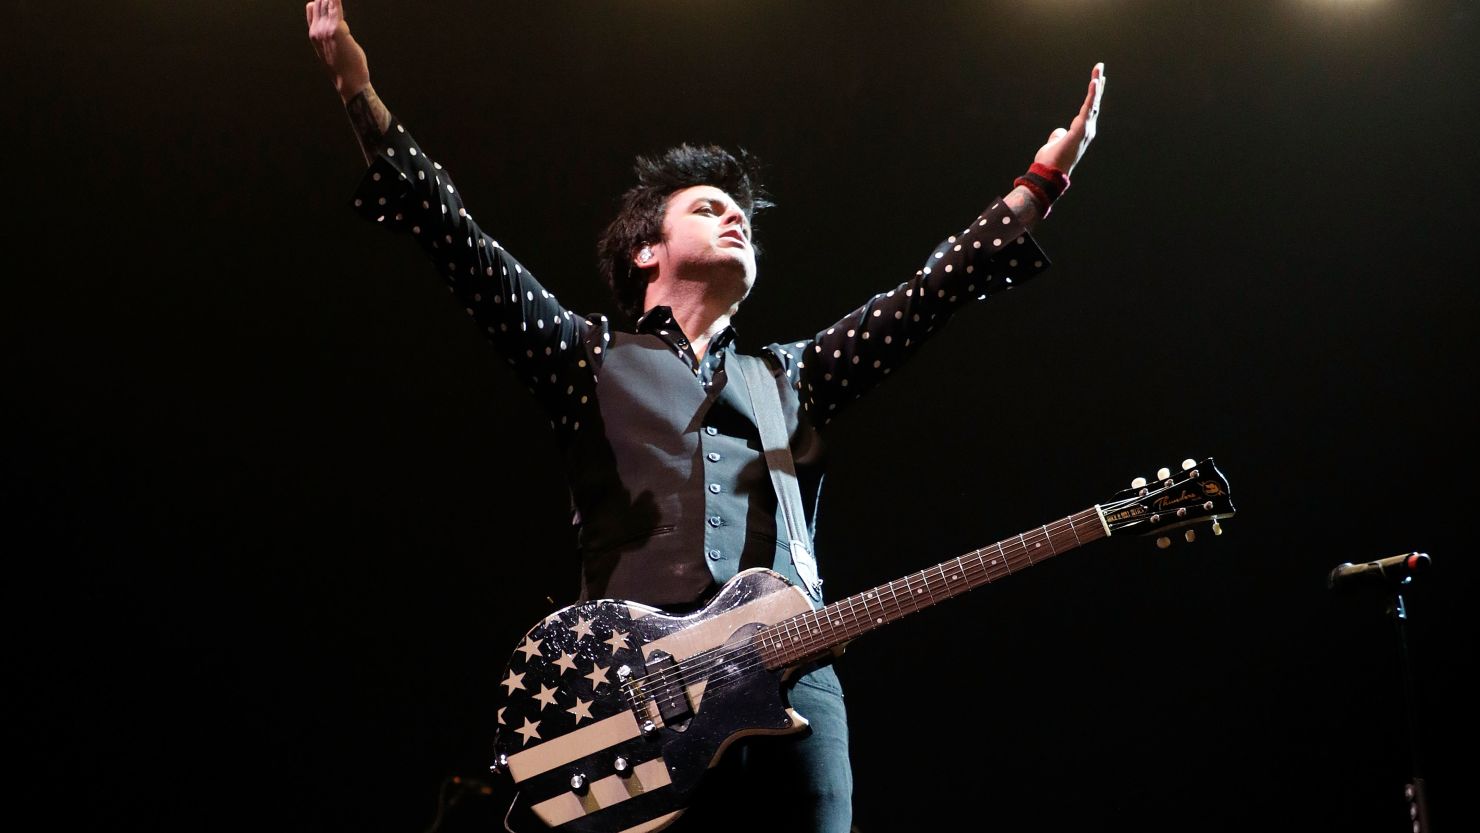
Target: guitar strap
(766,404)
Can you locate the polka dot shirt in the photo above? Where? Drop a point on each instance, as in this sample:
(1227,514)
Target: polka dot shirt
(559,354)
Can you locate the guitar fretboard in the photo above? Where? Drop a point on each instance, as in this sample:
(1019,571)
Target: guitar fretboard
(813,634)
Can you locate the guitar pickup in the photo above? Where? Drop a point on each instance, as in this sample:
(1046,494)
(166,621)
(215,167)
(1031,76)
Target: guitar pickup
(664,684)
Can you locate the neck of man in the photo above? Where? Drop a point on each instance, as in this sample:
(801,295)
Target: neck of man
(700,306)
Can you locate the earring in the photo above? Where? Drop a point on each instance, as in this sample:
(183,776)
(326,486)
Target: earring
(645,255)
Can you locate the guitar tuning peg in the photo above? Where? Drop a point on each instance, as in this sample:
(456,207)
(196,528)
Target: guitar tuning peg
(1188,464)
(1189,536)
(1163,542)
(1163,474)
(1138,483)
(1217,527)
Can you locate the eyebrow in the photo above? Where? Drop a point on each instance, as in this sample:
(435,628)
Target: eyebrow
(720,201)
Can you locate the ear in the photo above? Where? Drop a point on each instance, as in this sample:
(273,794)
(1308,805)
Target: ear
(643,257)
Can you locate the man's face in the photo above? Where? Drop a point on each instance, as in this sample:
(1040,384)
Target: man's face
(705,231)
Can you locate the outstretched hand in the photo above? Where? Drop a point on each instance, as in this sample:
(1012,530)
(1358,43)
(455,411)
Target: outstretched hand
(1065,147)
(335,46)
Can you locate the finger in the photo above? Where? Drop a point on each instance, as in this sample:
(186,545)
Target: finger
(308,10)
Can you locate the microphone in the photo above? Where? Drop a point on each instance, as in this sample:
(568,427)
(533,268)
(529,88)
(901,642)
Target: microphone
(1397,569)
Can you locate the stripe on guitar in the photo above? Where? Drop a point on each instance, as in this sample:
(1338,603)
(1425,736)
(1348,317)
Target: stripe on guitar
(558,751)
(712,632)
(603,793)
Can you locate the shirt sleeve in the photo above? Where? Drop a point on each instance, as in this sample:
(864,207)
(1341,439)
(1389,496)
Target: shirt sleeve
(554,351)
(842,362)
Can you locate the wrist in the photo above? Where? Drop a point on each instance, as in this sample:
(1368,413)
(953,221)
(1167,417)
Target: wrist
(1045,183)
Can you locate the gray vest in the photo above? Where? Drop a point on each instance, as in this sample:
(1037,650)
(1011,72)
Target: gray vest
(671,486)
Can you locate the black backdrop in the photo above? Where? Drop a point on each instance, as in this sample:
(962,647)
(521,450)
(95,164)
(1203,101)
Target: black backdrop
(275,514)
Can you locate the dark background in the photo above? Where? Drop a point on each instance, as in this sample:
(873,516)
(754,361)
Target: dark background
(275,515)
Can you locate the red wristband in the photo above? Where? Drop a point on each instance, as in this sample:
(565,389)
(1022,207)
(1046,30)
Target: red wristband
(1045,183)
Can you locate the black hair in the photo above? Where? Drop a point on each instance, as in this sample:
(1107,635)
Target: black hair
(639,218)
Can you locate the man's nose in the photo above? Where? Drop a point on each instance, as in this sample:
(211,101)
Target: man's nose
(735,217)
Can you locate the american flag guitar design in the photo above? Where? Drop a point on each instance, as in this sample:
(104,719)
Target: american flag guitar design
(612,711)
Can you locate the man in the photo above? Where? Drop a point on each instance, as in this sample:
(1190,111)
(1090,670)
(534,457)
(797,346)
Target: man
(659,437)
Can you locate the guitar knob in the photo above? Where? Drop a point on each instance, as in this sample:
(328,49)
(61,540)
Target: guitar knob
(578,782)
(1188,464)
(1138,483)
(648,727)
(1163,474)
(1189,536)
(619,763)
(1163,542)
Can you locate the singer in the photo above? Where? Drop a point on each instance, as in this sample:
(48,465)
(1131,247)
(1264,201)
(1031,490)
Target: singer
(671,492)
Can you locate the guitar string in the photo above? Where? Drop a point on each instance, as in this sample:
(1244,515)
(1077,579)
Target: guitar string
(1011,557)
(700,665)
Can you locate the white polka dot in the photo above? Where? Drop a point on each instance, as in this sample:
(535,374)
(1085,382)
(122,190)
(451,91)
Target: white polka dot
(851,332)
(898,314)
(1006,221)
(948,267)
(876,364)
(878,312)
(1012,262)
(390,151)
(837,353)
(412,151)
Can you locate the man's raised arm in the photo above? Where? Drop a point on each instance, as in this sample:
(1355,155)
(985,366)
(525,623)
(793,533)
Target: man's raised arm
(349,69)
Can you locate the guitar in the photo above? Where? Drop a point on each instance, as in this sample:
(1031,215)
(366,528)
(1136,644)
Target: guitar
(613,711)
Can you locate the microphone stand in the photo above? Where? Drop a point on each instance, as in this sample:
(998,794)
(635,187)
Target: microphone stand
(1414,791)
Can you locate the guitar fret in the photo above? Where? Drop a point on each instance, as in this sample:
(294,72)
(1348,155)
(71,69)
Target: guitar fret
(813,633)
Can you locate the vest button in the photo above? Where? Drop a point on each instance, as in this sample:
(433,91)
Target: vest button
(713,456)
(711,430)
(714,555)
(714,488)
(715,520)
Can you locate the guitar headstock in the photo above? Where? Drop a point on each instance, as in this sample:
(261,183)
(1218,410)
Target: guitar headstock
(1197,493)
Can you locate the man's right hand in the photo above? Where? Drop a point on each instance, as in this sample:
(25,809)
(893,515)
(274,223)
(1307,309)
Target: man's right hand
(335,46)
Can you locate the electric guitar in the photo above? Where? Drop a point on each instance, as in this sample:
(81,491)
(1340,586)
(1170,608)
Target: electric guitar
(613,711)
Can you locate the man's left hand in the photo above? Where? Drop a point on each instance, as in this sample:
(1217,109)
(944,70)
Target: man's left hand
(1065,148)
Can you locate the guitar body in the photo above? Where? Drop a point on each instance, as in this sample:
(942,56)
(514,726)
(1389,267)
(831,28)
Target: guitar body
(613,710)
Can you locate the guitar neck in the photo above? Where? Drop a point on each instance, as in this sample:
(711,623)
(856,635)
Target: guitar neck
(811,635)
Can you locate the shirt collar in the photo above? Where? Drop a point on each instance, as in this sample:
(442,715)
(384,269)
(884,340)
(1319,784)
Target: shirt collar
(659,321)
